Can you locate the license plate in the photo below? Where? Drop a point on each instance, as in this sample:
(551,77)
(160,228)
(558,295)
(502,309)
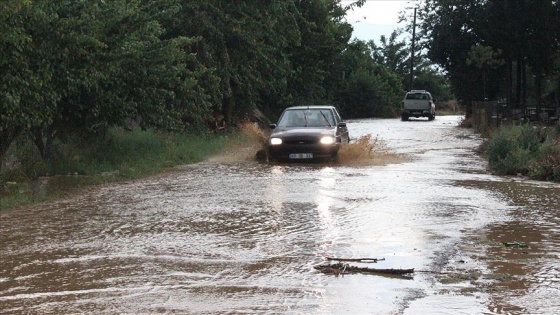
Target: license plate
(301,156)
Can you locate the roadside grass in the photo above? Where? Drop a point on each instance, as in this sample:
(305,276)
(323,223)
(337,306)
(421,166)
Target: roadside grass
(118,156)
(528,150)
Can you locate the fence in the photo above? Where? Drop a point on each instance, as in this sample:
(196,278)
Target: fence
(493,114)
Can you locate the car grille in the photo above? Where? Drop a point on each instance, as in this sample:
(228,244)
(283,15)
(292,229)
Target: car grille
(301,141)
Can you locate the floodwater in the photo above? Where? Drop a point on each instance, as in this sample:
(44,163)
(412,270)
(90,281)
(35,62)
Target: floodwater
(243,237)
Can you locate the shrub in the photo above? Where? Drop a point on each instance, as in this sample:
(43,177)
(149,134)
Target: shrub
(527,150)
(546,165)
(546,168)
(509,149)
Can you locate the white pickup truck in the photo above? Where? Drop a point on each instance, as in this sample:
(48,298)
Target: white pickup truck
(418,103)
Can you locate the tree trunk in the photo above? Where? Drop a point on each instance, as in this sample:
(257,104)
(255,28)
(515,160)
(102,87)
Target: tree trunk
(43,139)
(229,102)
(7,136)
(509,76)
(227,109)
(518,79)
(468,109)
(524,95)
(538,92)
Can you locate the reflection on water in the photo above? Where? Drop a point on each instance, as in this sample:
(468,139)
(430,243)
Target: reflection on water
(243,237)
(532,275)
(329,226)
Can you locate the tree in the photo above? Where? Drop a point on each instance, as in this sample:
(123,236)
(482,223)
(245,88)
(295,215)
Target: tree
(25,97)
(89,65)
(368,89)
(447,34)
(394,54)
(485,59)
(324,36)
(525,34)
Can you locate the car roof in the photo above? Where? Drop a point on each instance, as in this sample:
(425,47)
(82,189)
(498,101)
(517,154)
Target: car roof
(311,107)
(418,91)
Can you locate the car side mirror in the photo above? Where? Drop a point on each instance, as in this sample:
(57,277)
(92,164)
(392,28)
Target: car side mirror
(342,124)
(272,126)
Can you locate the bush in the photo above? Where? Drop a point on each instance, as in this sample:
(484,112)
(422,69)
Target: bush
(526,150)
(546,168)
(506,155)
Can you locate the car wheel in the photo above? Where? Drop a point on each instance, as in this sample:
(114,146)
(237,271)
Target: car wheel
(404,117)
(334,158)
(269,158)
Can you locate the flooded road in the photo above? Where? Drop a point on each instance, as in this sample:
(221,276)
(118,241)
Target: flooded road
(244,237)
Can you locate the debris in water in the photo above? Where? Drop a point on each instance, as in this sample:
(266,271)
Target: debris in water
(362,260)
(342,269)
(515,244)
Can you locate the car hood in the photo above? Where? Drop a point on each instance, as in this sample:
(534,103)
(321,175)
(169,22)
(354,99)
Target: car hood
(286,132)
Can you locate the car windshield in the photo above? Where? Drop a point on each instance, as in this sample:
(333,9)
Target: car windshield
(417,96)
(307,118)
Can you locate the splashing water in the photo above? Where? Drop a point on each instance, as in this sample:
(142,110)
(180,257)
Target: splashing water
(250,147)
(253,132)
(365,151)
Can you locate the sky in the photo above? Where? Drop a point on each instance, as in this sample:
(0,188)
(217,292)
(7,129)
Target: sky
(376,18)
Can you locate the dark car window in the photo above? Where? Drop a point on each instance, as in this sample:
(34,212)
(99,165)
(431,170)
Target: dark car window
(323,117)
(292,118)
(307,118)
(417,96)
(337,117)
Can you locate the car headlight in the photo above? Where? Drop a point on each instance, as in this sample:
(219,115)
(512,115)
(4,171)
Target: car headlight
(275,141)
(328,140)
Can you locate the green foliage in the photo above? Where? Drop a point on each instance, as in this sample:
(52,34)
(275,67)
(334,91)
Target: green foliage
(508,151)
(120,155)
(546,165)
(73,67)
(502,155)
(525,150)
(366,89)
(394,55)
(484,56)
(435,82)
(373,94)
(489,48)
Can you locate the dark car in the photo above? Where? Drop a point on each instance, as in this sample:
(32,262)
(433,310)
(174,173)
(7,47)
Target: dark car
(306,133)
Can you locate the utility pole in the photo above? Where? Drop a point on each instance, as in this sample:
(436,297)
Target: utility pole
(412,52)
